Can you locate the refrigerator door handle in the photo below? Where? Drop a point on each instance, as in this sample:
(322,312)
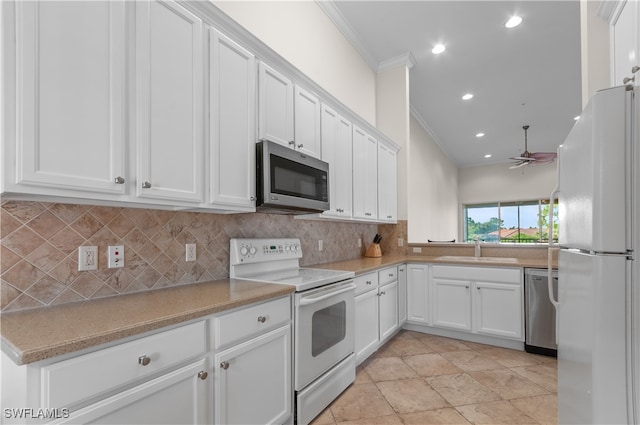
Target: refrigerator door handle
(551,249)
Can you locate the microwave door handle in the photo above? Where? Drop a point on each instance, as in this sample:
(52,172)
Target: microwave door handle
(313,300)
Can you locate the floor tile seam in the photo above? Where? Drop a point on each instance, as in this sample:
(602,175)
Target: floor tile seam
(489,402)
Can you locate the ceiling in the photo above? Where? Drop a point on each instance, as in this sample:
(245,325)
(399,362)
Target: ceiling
(529,74)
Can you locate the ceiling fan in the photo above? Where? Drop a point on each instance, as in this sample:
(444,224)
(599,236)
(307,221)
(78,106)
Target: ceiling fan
(529,158)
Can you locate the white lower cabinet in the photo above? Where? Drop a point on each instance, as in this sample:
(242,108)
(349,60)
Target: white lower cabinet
(253,380)
(178,397)
(376,310)
(418,293)
(482,300)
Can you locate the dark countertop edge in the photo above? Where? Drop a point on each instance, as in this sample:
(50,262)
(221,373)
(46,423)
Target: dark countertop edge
(22,357)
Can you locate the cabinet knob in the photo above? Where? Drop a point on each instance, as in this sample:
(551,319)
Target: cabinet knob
(119,180)
(635,69)
(300,146)
(203,375)
(368,282)
(383,293)
(224,365)
(390,274)
(253,198)
(466,286)
(292,143)
(626,80)
(144,360)
(262,319)
(146,185)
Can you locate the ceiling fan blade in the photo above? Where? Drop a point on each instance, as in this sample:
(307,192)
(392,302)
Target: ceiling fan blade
(518,165)
(544,156)
(523,158)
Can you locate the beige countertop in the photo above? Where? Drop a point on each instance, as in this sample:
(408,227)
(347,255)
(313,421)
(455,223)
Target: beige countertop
(365,264)
(37,334)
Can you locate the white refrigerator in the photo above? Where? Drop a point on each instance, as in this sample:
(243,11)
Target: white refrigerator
(598,306)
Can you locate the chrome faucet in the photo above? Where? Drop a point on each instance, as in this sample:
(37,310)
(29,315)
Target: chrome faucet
(477,252)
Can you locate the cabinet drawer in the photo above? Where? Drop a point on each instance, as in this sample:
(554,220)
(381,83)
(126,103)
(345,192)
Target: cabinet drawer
(491,274)
(247,322)
(366,282)
(82,377)
(388,275)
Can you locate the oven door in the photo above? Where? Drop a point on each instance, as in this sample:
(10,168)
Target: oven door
(324,330)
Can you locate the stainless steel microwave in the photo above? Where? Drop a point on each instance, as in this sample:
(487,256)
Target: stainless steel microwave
(288,181)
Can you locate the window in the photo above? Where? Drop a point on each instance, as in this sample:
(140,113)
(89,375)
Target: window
(510,222)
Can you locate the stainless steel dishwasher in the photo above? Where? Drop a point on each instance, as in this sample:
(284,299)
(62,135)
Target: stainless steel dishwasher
(540,315)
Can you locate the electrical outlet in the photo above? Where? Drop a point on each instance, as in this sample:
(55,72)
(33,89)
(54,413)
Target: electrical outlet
(320,245)
(417,250)
(116,256)
(87,258)
(359,243)
(400,242)
(190,249)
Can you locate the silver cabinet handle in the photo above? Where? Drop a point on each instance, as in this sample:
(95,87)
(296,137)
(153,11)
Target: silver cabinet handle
(262,319)
(203,375)
(224,365)
(144,360)
(300,146)
(253,198)
(389,216)
(368,282)
(635,69)
(119,180)
(390,274)
(626,80)
(292,143)
(146,185)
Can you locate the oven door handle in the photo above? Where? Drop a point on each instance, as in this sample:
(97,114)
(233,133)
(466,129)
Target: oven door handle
(313,300)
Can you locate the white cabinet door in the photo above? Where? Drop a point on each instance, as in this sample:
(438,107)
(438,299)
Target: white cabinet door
(418,293)
(232,85)
(336,138)
(307,122)
(179,397)
(365,175)
(402,294)
(70,97)
(253,380)
(498,309)
(366,324)
(387,184)
(169,110)
(625,41)
(275,106)
(388,298)
(451,304)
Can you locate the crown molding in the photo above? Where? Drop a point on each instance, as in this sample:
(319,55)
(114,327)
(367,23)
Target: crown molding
(330,9)
(405,59)
(431,133)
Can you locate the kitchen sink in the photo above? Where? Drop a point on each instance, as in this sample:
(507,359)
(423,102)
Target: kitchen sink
(472,259)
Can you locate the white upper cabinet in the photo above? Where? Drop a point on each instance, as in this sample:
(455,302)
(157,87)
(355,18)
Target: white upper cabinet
(307,122)
(275,107)
(625,41)
(69,98)
(387,184)
(169,109)
(337,145)
(232,100)
(365,175)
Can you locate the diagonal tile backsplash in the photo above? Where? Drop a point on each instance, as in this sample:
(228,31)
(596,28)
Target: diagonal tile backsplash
(39,248)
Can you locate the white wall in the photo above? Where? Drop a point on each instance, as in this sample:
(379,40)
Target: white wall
(498,183)
(595,57)
(433,190)
(303,34)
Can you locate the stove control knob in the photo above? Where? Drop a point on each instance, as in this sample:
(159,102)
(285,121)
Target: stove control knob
(253,250)
(244,251)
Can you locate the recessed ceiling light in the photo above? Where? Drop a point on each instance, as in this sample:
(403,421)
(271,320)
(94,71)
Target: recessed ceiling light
(467,96)
(438,48)
(576,117)
(514,21)
(480,135)
(488,155)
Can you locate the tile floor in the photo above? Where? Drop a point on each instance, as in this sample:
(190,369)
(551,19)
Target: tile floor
(426,379)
